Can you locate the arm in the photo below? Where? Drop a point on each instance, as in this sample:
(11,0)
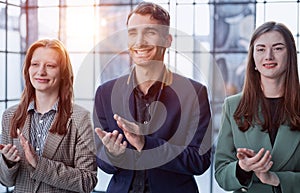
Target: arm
(225,156)
(80,174)
(195,158)
(8,173)
(188,149)
(102,112)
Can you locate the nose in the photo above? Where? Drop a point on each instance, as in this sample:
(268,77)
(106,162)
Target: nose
(42,70)
(270,54)
(140,39)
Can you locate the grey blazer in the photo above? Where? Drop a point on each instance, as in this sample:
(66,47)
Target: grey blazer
(67,164)
(285,153)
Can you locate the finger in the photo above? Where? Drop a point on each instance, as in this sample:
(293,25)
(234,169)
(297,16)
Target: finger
(101,133)
(23,141)
(122,123)
(124,144)
(10,155)
(257,156)
(267,167)
(15,157)
(106,139)
(240,155)
(119,139)
(263,162)
(246,151)
(18,131)
(1,146)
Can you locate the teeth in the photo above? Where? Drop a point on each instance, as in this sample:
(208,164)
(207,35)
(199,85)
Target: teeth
(141,52)
(270,65)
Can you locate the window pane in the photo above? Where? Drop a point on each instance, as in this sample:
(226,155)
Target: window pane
(80,27)
(112,19)
(185,13)
(2,76)
(14,2)
(48,27)
(287,11)
(2,27)
(184,44)
(14,76)
(2,109)
(89,3)
(202,20)
(13,34)
(47,2)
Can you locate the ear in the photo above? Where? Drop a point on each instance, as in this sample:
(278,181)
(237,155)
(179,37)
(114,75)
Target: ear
(169,40)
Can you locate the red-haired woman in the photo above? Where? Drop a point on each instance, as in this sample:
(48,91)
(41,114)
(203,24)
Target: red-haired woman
(47,140)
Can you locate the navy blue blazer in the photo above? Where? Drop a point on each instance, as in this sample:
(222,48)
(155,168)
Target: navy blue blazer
(177,138)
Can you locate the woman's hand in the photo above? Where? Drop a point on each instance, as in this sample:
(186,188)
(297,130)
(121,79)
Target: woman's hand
(251,161)
(260,163)
(268,177)
(30,154)
(10,153)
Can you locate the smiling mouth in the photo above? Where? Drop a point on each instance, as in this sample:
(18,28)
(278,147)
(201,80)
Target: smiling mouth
(271,65)
(42,80)
(142,52)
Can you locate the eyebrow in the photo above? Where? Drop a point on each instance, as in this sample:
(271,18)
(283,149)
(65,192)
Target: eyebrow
(276,44)
(144,29)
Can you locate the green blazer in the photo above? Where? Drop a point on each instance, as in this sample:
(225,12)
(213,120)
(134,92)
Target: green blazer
(285,153)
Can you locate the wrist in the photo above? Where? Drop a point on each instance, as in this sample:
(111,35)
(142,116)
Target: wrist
(141,144)
(275,179)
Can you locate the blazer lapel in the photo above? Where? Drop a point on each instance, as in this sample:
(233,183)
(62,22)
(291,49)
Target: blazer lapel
(52,142)
(258,139)
(285,145)
(26,129)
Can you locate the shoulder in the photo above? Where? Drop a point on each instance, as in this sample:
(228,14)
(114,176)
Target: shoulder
(179,80)
(108,85)
(233,99)
(79,111)
(10,111)
(231,102)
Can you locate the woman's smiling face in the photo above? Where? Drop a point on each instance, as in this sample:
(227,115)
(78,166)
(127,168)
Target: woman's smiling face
(270,55)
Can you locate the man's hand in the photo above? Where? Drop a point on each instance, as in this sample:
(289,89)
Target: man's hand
(131,132)
(30,154)
(112,141)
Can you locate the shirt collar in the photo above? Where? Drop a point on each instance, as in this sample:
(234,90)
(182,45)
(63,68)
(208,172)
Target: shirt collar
(31,106)
(166,77)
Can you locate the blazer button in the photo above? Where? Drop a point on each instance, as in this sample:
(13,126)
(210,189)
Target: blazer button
(244,189)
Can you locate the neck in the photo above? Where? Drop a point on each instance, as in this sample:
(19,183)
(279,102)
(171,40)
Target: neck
(273,88)
(44,102)
(147,75)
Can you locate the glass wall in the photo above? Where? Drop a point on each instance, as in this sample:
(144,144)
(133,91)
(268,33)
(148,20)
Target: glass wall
(210,40)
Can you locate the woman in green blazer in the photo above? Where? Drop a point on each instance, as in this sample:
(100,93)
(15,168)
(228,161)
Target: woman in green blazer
(258,148)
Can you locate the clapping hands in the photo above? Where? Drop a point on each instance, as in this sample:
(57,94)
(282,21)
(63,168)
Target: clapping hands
(260,163)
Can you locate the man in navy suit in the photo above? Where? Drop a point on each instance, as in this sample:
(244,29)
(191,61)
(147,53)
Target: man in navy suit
(152,124)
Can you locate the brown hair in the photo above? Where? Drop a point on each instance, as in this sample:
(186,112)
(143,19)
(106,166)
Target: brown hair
(156,11)
(253,98)
(65,89)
